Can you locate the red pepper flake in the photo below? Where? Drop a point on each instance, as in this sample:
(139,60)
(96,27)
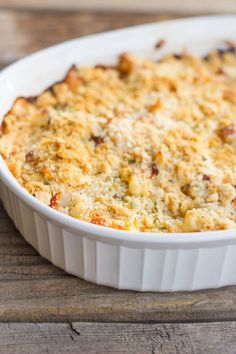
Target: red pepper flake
(154,170)
(206,178)
(226,131)
(160,44)
(97,139)
(54,201)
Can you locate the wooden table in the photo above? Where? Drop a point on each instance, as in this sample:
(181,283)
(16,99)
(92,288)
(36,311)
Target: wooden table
(44,310)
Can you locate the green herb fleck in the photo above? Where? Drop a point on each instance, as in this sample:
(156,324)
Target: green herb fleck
(131,162)
(133,204)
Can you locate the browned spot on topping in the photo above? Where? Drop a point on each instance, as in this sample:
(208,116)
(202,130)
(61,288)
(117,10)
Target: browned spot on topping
(103,67)
(226,131)
(125,64)
(230,95)
(73,80)
(184,189)
(206,178)
(31,99)
(54,201)
(155,106)
(160,44)
(115,196)
(154,170)
(97,139)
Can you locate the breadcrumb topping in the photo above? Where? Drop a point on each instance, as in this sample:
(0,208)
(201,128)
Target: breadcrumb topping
(143,145)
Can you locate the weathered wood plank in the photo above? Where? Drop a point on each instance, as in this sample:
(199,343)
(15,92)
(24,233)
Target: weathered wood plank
(88,338)
(31,289)
(147,6)
(23,32)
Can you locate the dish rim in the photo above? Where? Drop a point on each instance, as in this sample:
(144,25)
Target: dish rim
(97,230)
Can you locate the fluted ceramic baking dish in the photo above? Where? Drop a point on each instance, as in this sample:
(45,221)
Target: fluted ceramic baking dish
(122,259)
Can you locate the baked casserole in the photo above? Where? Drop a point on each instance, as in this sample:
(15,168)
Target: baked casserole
(143,145)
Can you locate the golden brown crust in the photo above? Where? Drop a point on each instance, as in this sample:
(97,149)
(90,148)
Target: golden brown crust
(140,146)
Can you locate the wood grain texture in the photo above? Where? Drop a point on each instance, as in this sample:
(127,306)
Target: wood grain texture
(201,338)
(23,32)
(147,6)
(31,289)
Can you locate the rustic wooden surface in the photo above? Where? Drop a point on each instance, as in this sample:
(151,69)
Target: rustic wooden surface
(117,338)
(147,6)
(78,316)
(25,31)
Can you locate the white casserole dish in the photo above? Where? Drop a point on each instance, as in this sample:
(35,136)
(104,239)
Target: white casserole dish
(122,259)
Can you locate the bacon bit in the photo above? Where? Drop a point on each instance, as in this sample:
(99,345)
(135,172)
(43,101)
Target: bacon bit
(98,220)
(220,71)
(97,139)
(206,178)
(154,170)
(230,46)
(229,43)
(29,157)
(160,44)
(125,65)
(178,56)
(226,131)
(54,201)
